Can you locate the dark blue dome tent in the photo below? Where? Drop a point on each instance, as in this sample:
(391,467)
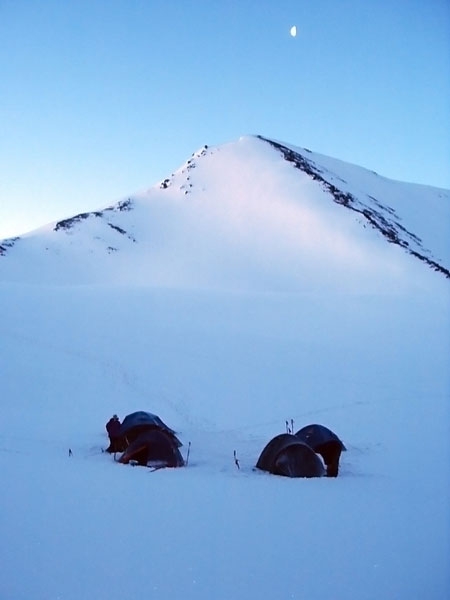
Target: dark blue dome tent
(136,423)
(149,441)
(326,443)
(286,455)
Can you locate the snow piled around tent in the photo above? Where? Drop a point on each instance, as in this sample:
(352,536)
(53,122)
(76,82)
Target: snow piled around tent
(225,356)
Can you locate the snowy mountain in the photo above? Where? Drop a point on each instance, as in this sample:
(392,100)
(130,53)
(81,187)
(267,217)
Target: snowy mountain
(289,218)
(259,284)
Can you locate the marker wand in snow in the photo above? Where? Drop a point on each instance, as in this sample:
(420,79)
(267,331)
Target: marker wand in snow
(187,456)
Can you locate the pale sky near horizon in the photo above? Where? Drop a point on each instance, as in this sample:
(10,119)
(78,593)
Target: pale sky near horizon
(102,98)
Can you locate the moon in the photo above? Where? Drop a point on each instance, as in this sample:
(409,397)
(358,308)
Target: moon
(293,31)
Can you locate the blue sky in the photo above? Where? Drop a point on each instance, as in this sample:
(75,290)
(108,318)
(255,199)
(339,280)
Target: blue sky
(101,98)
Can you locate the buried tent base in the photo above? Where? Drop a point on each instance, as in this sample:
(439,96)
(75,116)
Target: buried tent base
(153,448)
(287,455)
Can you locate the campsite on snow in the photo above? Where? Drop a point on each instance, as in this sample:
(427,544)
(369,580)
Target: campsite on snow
(144,439)
(261,305)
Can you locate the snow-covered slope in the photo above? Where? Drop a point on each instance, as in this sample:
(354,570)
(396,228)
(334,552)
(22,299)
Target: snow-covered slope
(242,292)
(252,213)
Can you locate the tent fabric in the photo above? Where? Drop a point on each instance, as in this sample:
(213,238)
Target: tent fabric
(138,422)
(286,455)
(153,448)
(326,443)
(314,435)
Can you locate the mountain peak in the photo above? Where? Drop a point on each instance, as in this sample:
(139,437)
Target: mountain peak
(251,214)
